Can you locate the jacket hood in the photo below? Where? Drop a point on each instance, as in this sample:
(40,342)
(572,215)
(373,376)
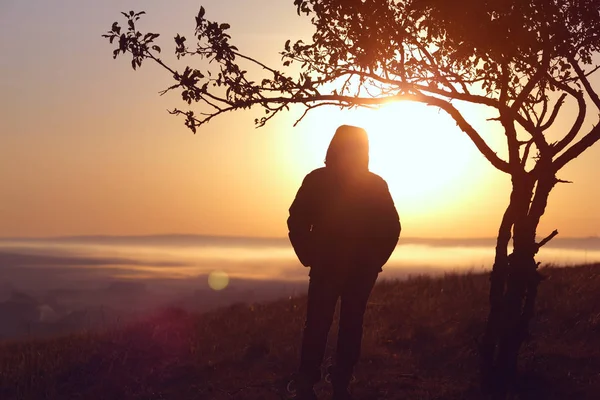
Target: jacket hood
(349,148)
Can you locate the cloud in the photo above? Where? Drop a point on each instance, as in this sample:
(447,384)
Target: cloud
(41,260)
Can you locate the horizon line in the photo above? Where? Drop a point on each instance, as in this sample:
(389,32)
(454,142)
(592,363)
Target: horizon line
(211,236)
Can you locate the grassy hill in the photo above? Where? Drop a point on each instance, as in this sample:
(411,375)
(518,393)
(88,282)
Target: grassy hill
(420,342)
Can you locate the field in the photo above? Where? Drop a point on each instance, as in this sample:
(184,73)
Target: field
(420,342)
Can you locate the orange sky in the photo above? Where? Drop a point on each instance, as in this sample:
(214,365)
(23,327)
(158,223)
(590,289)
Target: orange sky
(86,146)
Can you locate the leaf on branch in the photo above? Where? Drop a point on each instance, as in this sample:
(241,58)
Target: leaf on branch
(190,121)
(156,48)
(224,26)
(123,43)
(200,17)
(179,40)
(149,37)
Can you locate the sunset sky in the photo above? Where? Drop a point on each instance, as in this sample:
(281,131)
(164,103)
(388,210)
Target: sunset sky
(87,146)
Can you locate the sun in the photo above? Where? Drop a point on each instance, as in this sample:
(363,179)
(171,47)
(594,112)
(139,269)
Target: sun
(427,161)
(418,150)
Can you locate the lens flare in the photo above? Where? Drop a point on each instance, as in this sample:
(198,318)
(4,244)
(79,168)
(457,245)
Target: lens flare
(218,280)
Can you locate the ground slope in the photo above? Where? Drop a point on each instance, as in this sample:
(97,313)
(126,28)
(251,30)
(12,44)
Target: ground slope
(420,342)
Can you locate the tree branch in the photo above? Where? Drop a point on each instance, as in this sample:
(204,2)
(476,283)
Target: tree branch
(346,101)
(311,107)
(554,113)
(547,239)
(526,153)
(487,152)
(543,113)
(568,138)
(574,151)
(539,73)
(586,83)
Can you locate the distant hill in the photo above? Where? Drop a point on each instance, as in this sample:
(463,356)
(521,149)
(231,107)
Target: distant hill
(420,342)
(591,242)
(155,240)
(23,315)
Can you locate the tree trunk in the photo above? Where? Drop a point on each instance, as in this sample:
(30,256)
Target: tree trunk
(513,284)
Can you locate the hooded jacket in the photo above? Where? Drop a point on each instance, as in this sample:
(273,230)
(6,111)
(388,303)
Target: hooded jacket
(343,214)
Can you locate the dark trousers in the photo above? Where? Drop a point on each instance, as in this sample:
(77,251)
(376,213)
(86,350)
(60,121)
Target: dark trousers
(326,285)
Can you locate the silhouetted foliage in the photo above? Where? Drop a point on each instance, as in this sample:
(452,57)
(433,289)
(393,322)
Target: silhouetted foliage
(523,60)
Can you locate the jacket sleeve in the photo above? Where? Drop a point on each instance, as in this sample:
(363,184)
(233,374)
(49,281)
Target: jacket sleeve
(301,220)
(387,226)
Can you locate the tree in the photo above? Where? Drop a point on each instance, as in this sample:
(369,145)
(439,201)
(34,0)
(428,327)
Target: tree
(523,60)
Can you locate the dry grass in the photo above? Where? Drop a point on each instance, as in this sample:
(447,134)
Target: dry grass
(420,342)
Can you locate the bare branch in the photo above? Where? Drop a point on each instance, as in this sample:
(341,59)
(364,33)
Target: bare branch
(586,83)
(504,84)
(488,153)
(563,181)
(436,70)
(347,101)
(576,127)
(526,153)
(547,239)
(536,133)
(312,107)
(533,81)
(543,113)
(574,78)
(554,113)
(262,121)
(574,151)
(511,138)
(162,64)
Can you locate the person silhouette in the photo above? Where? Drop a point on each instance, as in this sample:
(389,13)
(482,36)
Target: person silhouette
(343,225)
